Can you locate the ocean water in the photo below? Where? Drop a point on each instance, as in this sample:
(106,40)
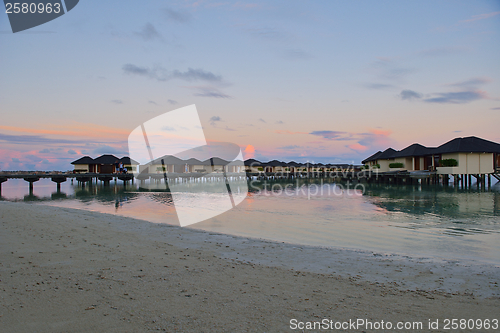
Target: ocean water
(429,221)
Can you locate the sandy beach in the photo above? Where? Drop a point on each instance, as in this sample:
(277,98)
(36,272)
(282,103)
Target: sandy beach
(67,270)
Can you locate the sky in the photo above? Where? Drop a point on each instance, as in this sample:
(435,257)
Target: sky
(318,81)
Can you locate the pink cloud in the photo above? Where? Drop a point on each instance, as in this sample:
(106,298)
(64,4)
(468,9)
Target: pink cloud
(480,17)
(358,147)
(249,152)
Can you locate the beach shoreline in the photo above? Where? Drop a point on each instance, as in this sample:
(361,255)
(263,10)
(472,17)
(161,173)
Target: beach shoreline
(65,269)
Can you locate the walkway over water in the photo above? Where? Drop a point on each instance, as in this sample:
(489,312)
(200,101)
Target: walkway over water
(392,177)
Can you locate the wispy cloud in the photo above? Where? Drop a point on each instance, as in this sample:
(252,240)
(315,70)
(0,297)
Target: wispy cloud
(149,32)
(269,34)
(480,17)
(443,51)
(410,95)
(152,102)
(472,83)
(171,101)
(378,86)
(495,108)
(457,97)
(176,16)
(296,54)
(288,132)
(279,122)
(331,135)
(390,69)
(105,149)
(291,147)
(117,101)
(161,74)
(34,139)
(262,120)
(214,120)
(210,92)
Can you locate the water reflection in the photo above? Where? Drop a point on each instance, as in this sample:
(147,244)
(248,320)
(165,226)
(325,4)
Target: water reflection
(431,220)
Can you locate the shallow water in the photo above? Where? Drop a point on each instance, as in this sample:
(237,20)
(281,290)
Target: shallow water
(424,221)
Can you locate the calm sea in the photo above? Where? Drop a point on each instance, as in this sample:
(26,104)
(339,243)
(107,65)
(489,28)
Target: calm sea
(418,221)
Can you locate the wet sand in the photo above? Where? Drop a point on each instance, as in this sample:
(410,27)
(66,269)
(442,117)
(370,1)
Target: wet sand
(71,270)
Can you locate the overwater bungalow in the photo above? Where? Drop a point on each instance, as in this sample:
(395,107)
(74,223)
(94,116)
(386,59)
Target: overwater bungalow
(466,156)
(104,164)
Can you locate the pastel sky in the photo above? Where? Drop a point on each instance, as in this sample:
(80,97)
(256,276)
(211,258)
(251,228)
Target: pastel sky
(321,81)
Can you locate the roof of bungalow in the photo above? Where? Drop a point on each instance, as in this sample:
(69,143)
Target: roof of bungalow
(128,161)
(386,154)
(215,161)
(252,162)
(415,149)
(193,161)
(274,163)
(84,160)
(372,158)
(170,160)
(469,144)
(293,164)
(106,159)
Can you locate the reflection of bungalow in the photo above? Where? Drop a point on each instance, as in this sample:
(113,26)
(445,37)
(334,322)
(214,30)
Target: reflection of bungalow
(469,155)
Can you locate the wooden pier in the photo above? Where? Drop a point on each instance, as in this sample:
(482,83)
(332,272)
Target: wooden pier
(394,177)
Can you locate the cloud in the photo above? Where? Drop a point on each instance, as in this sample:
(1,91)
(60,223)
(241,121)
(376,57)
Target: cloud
(269,33)
(176,16)
(330,135)
(358,147)
(296,54)
(410,95)
(288,132)
(389,69)
(472,83)
(72,152)
(279,122)
(291,147)
(378,86)
(214,120)
(262,120)
(168,129)
(443,51)
(480,17)
(171,101)
(35,139)
(16,160)
(44,151)
(457,97)
(161,74)
(105,149)
(495,109)
(117,101)
(249,152)
(149,32)
(210,92)
(152,102)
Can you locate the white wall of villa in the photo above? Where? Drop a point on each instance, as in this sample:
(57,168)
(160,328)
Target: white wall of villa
(82,167)
(469,163)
